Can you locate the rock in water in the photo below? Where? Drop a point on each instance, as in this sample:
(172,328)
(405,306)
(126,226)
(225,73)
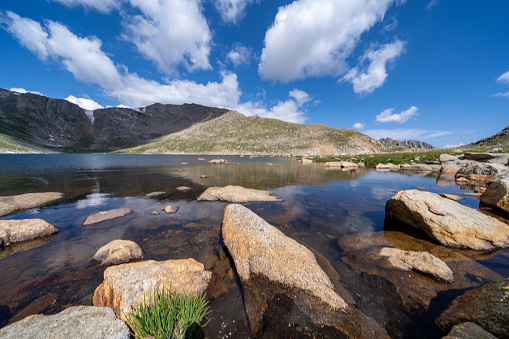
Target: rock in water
(447,221)
(469,330)
(15,203)
(258,248)
(157,195)
(236,194)
(451,197)
(118,251)
(171,209)
(77,322)
(127,284)
(479,171)
(25,229)
(387,167)
(107,215)
(497,193)
(421,262)
(487,306)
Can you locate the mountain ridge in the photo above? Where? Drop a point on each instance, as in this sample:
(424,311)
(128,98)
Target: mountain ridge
(499,139)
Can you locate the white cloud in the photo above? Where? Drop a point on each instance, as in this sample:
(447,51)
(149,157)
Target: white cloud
(432,3)
(505,95)
(312,38)
(359,125)
(366,81)
(289,110)
(453,146)
(239,55)
(504,78)
(104,6)
(406,134)
(170,33)
(232,11)
(87,104)
(387,116)
(23,91)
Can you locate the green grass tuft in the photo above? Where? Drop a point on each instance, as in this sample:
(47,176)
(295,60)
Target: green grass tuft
(168,314)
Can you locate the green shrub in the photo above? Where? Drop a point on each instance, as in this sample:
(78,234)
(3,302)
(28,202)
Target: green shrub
(168,314)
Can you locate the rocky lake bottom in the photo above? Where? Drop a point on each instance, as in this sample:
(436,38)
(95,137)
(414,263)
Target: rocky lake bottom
(338,214)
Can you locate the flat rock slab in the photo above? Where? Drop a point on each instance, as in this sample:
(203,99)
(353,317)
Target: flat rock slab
(417,168)
(236,194)
(341,164)
(469,330)
(387,167)
(487,306)
(422,262)
(497,193)
(259,248)
(77,322)
(451,197)
(12,231)
(118,251)
(16,203)
(127,284)
(107,215)
(448,222)
(183,188)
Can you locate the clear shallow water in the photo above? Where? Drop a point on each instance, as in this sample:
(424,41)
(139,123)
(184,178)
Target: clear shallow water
(320,209)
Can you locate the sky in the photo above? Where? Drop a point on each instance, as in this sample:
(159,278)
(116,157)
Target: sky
(429,70)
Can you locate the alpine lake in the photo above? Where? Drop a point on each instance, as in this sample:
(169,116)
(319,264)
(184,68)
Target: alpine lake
(338,214)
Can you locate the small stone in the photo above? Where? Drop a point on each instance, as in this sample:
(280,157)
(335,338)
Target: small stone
(183,188)
(154,213)
(451,197)
(217,161)
(184,163)
(171,209)
(472,194)
(203,176)
(157,195)
(107,215)
(118,251)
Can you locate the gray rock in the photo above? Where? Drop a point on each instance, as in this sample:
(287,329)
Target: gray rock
(236,194)
(421,262)
(171,209)
(492,158)
(496,150)
(448,222)
(387,167)
(157,195)
(16,203)
(447,158)
(107,215)
(76,322)
(417,168)
(479,171)
(341,164)
(118,251)
(497,193)
(20,230)
(469,330)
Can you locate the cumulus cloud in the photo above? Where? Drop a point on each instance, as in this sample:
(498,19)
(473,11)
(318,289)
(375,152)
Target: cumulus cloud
(366,81)
(87,104)
(289,110)
(23,91)
(103,6)
(505,95)
(232,11)
(239,55)
(170,33)
(359,125)
(406,134)
(454,145)
(312,38)
(504,78)
(388,116)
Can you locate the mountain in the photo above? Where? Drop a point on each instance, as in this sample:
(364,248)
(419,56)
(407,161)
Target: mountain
(413,144)
(499,139)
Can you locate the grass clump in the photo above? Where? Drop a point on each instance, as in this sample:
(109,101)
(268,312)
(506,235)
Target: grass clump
(168,314)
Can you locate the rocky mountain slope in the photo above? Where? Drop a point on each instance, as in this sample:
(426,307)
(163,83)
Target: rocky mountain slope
(413,144)
(499,139)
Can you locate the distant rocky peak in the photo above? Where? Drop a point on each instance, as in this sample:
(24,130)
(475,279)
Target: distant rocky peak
(406,143)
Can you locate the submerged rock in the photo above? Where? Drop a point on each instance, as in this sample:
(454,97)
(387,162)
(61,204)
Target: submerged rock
(487,306)
(12,231)
(469,330)
(447,221)
(118,251)
(497,193)
(107,215)
(16,203)
(77,322)
(236,194)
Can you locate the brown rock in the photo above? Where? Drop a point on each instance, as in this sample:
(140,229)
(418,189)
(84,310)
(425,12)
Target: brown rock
(472,194)
(203,176)
(387,167)
(497,193)
(16,203)
(20,230)
(469,330)
(154,213)
(217,161)
(107,215)
(118,251)
(171,209)
(236,194)
(448,222)
(479,171)
(451,171)
(451,197)
(183,188)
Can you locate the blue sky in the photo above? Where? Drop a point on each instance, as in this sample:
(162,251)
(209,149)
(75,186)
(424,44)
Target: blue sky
(430,70)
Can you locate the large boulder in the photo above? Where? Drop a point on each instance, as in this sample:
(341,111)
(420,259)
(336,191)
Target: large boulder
(16,203)
(118,251)
(448,222)
(486,306)
(497,193)
(493,158)
(451,164)
(127,284)
(107,215)
(236,194)
(480,171)
(20,230)
(77,322)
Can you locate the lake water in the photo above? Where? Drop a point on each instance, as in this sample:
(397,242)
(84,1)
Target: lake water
(333,212)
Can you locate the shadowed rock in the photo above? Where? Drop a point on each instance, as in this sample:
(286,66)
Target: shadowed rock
(118,251)
(78,322)
(469,330)
(16,203)
(479,171)
(26,229)
(236,194)
(497,193)
(107,215)
(447,221)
